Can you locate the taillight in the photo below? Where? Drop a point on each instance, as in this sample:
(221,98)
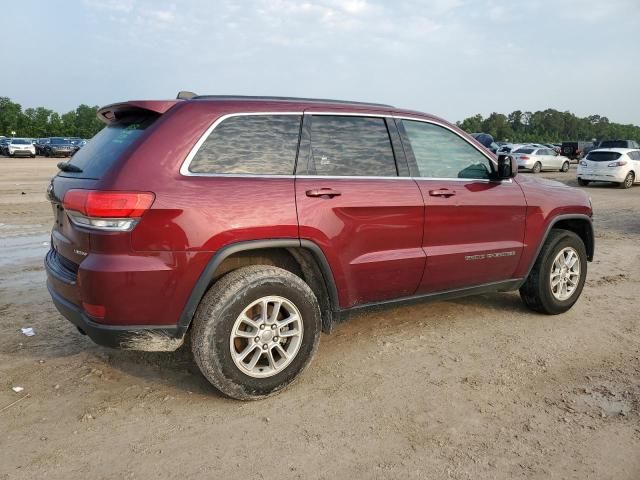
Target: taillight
(619,163)
(106,210)
(524,157)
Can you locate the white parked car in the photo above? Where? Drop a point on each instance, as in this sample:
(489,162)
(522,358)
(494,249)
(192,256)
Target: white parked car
(21,146)
(617,165)
(537,159)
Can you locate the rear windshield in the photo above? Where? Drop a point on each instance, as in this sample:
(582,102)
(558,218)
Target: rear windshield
(102,151)
(603,156)
(524,150)
(613,144)
(20,141)
(59,141)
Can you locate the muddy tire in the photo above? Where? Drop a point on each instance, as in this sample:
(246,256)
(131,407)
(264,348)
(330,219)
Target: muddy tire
(537,167)
(255,331)
(583,183)
(555,283)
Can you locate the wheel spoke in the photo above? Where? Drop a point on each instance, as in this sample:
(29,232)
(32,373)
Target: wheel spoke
(264,314)
(287,321)
(283,353)
(272,361)
(254,361)
(290,333)
(251,347)
(276,311)
(244,334)
(248,321)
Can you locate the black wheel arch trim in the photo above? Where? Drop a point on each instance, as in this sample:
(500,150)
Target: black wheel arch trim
(589,246)
(207,275)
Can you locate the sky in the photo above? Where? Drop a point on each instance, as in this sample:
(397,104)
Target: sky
(452,58)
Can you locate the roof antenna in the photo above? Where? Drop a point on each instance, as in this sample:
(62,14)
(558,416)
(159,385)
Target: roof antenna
(186,95)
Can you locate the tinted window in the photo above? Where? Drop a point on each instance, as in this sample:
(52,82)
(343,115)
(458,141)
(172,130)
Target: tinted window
(350,146)
(440,153)
(603,156)
(250,144)
(20,141)
(102,152)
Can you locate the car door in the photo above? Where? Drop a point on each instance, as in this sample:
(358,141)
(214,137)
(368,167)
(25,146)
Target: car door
(474,226)
(551,160)
(360,207)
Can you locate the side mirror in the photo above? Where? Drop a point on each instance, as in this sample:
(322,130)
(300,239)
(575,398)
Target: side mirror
(507,167)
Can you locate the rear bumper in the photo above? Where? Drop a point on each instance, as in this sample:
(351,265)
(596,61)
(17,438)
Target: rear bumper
(145,338)
(62,287)
(603,177)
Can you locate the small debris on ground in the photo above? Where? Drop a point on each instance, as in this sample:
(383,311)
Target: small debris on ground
(28,331)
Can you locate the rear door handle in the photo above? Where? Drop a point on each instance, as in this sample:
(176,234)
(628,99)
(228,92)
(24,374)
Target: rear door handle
(323,192)
(443,192)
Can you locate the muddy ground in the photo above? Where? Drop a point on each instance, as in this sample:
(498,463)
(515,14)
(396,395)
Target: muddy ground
(476,388)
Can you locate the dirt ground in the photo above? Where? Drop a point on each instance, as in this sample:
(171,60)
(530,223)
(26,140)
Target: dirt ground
(478,388)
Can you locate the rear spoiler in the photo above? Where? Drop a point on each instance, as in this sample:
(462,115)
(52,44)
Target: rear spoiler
(110,113)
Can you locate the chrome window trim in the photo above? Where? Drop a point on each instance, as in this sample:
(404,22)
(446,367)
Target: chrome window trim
(184,168)
(440,124)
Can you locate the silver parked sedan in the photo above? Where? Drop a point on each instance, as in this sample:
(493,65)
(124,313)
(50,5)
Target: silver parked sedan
(537,159)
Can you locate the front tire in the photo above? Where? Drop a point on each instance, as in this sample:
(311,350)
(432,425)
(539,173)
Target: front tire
(565,167)
(255,331)
(537,167)
(557,278)
(583,183)
(628,181)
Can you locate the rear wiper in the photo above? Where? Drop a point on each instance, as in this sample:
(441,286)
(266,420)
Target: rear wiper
(69,167)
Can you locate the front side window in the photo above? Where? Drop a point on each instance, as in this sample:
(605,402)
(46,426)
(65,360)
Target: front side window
(350,146)
(250,144)
(440,153)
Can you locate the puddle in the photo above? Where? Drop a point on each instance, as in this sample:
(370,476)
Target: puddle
(16,250)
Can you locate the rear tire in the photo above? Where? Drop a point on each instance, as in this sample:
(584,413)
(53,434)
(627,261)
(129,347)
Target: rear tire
(537,167)
(565,167)
(583,183)
(539,292)
(230,321)
(628,181)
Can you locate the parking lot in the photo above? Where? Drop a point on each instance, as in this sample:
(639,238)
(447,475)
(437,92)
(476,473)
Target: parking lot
(474,388)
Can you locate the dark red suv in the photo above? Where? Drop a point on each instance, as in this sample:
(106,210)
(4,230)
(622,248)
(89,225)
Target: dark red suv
(251,224)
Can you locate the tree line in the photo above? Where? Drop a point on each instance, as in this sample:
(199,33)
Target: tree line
(541,126)
(549,126)
(42,122)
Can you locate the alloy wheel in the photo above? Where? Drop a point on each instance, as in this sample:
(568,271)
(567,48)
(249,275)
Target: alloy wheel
(266,336)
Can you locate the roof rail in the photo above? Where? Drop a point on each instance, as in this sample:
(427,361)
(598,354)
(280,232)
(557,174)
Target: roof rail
(285,99)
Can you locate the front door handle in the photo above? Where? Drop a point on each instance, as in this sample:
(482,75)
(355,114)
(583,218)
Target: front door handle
(443,192)
(323,192)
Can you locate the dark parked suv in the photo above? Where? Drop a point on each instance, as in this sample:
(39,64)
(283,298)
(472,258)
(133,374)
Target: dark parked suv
(58,147)
(251,224)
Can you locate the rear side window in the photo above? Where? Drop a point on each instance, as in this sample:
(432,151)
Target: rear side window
(250,144)
(603,156)
(351,146)
(107,146)
(440,153)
